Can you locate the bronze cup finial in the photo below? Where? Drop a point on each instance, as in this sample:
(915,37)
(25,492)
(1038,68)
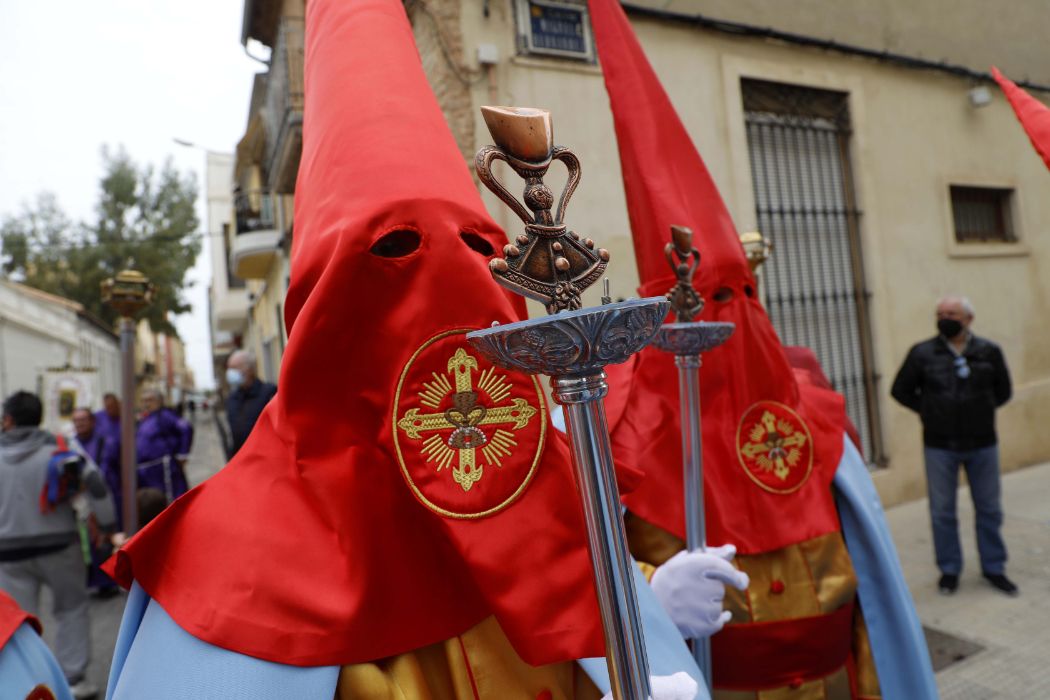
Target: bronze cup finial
(683,259)
(547,262)
(524,133)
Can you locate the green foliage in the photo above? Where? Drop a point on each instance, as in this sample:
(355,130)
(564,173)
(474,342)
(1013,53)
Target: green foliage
(145,220)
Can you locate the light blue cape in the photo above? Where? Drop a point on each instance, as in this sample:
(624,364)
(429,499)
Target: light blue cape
(25,663)
(156,658)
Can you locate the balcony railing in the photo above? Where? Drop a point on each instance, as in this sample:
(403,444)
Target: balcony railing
(254,210)
(284,105)
(255,246)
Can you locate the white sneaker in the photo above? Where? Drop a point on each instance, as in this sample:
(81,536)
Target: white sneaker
(84,689)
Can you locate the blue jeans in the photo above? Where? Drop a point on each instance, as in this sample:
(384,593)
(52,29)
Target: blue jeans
(942,483)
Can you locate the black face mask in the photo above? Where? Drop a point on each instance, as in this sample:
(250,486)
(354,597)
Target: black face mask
(949,327)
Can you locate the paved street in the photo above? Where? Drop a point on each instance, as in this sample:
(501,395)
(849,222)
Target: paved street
(1014,632)
(1006,641)
(206,458)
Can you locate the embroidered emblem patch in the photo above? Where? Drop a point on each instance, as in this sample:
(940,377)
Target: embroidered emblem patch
(468,435)
(775,447)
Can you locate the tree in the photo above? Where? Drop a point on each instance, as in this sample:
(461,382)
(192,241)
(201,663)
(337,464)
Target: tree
(145,220)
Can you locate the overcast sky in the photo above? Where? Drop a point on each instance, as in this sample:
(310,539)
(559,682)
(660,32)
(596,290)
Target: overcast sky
(75,75)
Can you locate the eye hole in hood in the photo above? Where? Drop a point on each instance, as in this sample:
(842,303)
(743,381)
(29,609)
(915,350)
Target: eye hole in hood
(478,243)
(398,243)
(723,294)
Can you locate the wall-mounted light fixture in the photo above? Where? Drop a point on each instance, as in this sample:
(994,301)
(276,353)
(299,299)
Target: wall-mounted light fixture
(980,96)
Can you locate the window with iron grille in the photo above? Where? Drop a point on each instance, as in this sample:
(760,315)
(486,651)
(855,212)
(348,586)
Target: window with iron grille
(813,284)
(982,214)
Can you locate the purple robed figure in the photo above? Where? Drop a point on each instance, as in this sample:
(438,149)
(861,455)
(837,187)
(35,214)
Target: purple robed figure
(99,450)
(107,428)
(104,451)
(162,445)
(107,421)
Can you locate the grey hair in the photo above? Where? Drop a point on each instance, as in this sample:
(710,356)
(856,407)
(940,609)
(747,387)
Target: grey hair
(964,302)
(247,355)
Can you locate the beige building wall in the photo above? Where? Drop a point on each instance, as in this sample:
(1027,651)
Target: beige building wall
(266,335)
(915,133)
(970,33)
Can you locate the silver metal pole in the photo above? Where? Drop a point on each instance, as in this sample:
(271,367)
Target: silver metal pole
(128,458)
(693,478)
(687,339)
(612,564)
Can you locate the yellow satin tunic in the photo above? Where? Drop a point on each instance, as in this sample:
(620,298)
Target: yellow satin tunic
(812,578)
(479,664)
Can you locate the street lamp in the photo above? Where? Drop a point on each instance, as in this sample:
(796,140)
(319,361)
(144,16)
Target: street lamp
(128,293)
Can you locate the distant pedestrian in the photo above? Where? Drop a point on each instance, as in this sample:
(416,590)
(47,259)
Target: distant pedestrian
(98,451)
(248,397)
(107,421)
(955,381)
(38,537)
(107,425)
(191,406)
(162,446)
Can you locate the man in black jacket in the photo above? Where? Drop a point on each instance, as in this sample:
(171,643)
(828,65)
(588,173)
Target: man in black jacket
(955,381)
(248,397)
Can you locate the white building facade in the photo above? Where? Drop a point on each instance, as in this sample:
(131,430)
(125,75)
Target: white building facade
(42,335)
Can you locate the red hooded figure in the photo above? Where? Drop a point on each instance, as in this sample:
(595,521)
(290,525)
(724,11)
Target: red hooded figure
(399,489)
(771,445)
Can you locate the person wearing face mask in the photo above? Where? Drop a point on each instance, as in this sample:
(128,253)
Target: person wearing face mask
(248,397)
(955,381)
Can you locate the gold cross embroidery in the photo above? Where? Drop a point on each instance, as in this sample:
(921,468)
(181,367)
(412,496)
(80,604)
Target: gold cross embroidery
(775,445)
(465,418)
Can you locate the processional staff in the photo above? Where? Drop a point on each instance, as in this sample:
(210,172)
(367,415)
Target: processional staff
(686,339)
(554,265)
(128,292)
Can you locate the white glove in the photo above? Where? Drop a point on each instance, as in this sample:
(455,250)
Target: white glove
(691,586)
(677,687)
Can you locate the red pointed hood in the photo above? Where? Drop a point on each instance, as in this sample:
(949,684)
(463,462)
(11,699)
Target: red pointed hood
(399,488)
(1033,114)
(749,392)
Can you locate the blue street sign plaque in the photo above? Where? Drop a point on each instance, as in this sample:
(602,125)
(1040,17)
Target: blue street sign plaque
(558,28)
